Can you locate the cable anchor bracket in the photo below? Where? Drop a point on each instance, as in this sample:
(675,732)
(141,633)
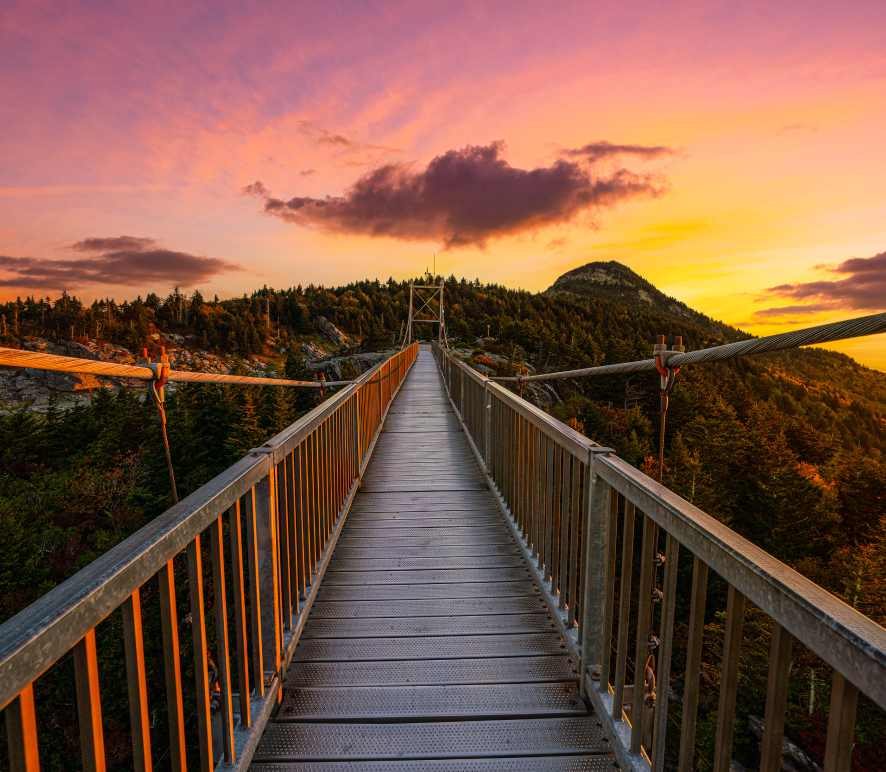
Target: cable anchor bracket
(160,368)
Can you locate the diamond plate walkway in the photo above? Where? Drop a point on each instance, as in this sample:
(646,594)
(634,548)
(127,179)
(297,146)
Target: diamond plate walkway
(429,646)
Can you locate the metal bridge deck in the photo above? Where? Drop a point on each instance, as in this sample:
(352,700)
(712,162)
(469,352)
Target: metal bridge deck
(429,646)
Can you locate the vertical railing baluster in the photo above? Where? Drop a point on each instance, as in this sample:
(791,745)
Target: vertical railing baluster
(355,418)
(553,489)
(487,431)
(573,539)
(644,630)
(728,680)
(692,679)
(295,587)
(563,542)
(216,537)
(597,493)
(89,707)
(538,493)
(624,609)
(841,725)
(313,511)
(136,683)
(323,472)
(326,476)
(21,729)
(266,548)
(546,510)
(666,641)
(201,666)
(609,593)
(172,667)
(776,698)
(583,546)
(513,460)
(236,537)
(283,542)
(304,515)
(255,599)
(341,457)
(521,434)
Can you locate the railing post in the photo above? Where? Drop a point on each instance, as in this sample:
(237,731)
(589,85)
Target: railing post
(355,401)
(266,547)
(596,537)
(487,409)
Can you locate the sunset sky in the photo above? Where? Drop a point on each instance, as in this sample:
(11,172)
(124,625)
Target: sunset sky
(734,154)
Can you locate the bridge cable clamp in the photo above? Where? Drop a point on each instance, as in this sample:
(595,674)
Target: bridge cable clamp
(160,368)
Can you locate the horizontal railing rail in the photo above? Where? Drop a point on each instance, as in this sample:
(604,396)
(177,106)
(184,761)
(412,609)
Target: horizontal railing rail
(577,508)
(283,506)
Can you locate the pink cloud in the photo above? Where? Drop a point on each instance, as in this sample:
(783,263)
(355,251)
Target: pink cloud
(464,198)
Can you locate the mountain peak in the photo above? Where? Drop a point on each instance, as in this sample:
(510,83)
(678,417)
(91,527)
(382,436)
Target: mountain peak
(612,281)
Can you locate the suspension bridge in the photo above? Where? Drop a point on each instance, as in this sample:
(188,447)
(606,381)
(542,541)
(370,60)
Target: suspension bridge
(426,572)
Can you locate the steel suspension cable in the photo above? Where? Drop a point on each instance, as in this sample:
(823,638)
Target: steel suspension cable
(38,361)
(825,333)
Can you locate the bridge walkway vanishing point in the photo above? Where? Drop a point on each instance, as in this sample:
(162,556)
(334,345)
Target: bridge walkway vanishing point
(429,646)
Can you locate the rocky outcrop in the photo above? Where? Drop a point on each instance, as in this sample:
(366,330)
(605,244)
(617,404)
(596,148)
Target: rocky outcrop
(793,759)
(334,334)
(363,362)
(312,352)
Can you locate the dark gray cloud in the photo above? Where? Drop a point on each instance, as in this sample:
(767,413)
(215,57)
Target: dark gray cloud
(113,244)
(464,198)
(859,284)
(119,261)
(597,151)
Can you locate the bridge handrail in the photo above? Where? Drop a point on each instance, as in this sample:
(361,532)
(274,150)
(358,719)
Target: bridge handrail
(292,492)
(550,480)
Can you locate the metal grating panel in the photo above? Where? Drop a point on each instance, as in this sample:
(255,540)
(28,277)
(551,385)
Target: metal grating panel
(461,739)
(427,577)
(452,647)
(538,764)
(423,512)
(423,564)
(414,702)
(498,537)
(421,591)
(418,496)
(467,521)
(465,550)
(526,604)
(475,534)
(384,627)
(440,671)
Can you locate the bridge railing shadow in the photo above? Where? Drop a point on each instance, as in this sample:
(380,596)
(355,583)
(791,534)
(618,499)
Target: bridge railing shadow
(271,522)
(601,534)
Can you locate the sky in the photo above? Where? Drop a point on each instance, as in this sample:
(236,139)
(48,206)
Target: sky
(731,153)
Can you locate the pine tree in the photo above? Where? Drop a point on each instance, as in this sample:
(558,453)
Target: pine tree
(246,433)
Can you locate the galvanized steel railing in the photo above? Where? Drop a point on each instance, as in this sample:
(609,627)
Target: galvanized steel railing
(292,494)
(575,505)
